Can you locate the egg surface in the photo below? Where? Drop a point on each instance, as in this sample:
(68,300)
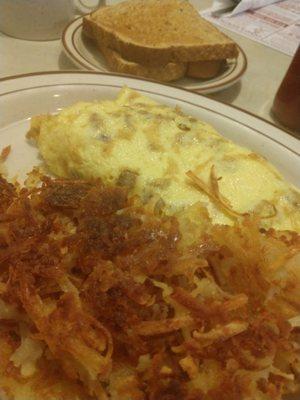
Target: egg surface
(150,147)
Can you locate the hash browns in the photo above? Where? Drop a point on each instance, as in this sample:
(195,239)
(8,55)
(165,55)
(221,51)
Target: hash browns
(103,298)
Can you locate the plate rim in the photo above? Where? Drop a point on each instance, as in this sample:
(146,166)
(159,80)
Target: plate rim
(78,58)
(287,140)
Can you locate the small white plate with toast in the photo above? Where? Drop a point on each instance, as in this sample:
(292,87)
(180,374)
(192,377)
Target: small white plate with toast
(86,55)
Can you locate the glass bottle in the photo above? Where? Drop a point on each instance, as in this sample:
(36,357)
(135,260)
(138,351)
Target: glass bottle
(286,106)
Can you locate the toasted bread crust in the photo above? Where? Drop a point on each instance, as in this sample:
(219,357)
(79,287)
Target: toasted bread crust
(88,27)
(165,73)
(132,29)
(204,69)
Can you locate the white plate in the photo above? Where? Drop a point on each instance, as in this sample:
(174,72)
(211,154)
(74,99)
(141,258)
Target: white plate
(85,54)
(26,95)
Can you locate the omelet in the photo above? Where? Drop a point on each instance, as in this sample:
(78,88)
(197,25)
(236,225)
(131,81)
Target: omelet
(164,155)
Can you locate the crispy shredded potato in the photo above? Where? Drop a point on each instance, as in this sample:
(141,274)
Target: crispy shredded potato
(104,298)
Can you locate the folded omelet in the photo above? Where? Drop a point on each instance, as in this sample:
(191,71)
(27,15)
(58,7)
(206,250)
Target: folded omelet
(165,155)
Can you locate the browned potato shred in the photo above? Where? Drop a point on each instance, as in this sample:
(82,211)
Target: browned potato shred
(102,298)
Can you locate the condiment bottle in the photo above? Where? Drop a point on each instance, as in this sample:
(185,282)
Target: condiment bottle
(286,106)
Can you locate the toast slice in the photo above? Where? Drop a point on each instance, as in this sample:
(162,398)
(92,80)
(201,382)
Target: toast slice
(157,32)
(164,73)
(205,69)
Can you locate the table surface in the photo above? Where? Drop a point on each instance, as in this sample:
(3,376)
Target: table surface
(254,92)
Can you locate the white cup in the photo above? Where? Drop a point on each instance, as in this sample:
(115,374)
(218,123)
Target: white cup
(41,19)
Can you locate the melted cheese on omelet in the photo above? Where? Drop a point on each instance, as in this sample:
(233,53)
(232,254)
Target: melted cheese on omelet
(159,145)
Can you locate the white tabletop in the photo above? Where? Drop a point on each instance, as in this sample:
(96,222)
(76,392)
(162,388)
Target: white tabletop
(255,92)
